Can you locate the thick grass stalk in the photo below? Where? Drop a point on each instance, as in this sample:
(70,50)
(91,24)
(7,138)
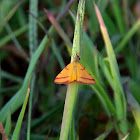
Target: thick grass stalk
(72,135)
(72,88)
(68,110)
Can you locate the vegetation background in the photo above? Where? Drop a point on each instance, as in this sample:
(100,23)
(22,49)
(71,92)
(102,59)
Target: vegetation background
(36,45)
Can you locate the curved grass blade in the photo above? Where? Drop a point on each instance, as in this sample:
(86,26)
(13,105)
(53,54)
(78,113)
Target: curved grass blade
(30,107)
(20,118)
(120,101)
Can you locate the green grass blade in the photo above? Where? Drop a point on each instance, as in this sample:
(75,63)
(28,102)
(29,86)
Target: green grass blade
(120,100)
(86,54)
(11,13)
(8,124)
(135,132)
(33,40)
(11,77)
(20,118)
(106,71)
(118,16)
(68,110)
(135,107)
(96,61)
(127,37)
(104,99)
(57,54)
(30,108)
(135,89)
(72,130)
(16,33)
(19,47)
(93,24)
(104,135)
(10,89)
(110,24)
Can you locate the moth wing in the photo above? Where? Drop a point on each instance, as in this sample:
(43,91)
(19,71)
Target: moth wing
(73,73)
(65,75)
(83,76)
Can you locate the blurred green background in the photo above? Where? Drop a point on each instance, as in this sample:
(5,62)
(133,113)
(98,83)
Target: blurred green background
(25,51)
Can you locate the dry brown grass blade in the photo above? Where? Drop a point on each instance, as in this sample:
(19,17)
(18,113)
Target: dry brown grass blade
(2,131)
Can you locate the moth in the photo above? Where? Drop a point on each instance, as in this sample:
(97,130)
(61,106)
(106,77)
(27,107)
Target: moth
(74,72)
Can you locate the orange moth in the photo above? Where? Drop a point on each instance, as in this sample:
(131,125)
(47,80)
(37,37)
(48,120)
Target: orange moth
(74,72)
